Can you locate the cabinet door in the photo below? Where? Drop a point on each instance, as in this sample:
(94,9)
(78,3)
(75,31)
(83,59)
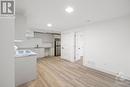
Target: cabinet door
(28,65)
(37,51)
(42,52)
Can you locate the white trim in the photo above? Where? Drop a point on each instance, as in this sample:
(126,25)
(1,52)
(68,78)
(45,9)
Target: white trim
(106,71)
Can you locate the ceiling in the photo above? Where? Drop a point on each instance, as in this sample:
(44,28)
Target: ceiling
(41,12)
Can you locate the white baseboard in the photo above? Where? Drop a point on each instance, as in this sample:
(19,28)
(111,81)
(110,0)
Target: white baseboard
(106,71)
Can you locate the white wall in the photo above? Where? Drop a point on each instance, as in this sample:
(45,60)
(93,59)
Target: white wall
(107,45)
(20,27)
(7,52)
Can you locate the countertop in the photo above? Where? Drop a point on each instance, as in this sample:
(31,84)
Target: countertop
(21,56)
(24,53)
(32,48)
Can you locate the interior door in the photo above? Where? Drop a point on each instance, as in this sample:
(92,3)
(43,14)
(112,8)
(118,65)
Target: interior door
(79,46)
(67,46)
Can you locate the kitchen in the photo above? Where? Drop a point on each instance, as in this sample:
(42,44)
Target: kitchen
(30,45)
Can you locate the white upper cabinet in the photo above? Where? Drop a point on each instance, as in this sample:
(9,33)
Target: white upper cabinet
(29,34)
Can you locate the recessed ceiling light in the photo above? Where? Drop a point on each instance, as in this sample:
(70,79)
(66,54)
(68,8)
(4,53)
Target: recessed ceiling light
(49,25)
(69,9)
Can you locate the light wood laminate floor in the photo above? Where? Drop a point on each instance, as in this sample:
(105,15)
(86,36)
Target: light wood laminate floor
(55,72)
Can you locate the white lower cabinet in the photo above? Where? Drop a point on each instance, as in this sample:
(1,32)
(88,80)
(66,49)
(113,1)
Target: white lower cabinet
(40,52)
(25,69)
